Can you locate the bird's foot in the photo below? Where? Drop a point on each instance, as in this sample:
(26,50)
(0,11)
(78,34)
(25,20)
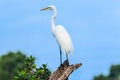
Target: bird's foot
(66,62)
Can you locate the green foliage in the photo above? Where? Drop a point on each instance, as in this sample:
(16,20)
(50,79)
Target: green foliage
(15,66)
(101,77)
(114,71)
(10,63)
(113,75)
(31,72)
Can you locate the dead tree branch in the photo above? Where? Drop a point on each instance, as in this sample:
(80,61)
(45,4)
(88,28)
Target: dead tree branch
(63,72)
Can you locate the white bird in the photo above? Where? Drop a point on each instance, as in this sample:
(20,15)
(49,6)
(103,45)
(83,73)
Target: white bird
(60,34)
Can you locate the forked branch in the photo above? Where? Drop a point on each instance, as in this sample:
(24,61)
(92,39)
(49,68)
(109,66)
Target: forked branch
(63,72)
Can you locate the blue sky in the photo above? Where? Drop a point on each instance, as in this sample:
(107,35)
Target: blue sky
(94,26)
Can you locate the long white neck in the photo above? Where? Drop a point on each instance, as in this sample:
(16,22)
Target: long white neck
(52,20)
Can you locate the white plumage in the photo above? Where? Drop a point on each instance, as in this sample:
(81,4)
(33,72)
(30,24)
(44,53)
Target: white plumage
(63,39)
(60,34)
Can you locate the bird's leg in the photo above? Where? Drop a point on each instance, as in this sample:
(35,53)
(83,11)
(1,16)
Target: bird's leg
(60,55)
(67,58)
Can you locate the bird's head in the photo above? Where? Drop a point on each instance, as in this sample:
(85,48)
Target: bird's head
(51,7)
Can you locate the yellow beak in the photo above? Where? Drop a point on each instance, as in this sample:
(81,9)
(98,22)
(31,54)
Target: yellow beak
(44,9)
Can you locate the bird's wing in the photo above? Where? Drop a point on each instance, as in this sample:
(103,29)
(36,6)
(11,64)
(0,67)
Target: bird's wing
(63,39)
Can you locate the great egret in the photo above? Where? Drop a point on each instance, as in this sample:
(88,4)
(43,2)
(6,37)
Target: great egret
(60,34)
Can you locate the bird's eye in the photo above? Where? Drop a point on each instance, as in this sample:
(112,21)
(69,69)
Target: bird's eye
(49,7)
